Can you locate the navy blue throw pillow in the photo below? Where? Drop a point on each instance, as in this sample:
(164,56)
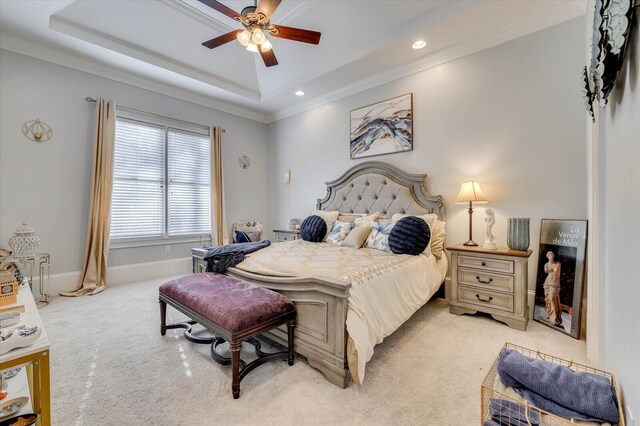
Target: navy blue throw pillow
(410,235)
(313,229)
(242,237)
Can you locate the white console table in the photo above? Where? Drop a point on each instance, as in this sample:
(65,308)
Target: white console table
(33,379)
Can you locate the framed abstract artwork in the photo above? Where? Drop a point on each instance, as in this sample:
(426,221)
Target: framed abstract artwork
(560,274)
(382,128)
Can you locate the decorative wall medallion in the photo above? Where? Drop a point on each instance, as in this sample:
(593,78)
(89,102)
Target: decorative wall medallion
(37,131)
(612,21)
(244,162)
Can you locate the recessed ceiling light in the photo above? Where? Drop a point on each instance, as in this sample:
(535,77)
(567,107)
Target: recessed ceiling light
(299,93)
(419,44)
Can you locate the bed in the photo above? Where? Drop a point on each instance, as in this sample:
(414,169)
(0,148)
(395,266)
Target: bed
(349,299)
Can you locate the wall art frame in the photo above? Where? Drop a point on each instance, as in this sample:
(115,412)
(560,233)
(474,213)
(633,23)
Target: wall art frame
(385,127)
(560,274)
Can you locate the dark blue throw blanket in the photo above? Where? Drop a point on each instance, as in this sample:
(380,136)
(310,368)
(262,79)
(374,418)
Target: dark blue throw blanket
(221,258)
(558,389)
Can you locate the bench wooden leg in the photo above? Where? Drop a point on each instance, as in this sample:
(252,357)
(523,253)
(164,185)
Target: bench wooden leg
(235,367)
(163,317)
(290,329)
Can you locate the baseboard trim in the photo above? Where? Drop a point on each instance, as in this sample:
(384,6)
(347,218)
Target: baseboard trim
(119,275)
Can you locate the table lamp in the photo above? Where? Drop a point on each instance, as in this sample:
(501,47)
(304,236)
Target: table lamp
(471,193)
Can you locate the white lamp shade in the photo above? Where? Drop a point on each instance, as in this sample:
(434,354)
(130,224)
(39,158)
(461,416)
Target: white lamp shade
(252,47)
(258,36)
(266,46)
(244,37)
(470,191)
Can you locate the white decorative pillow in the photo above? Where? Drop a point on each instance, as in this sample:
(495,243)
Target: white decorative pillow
(329,217)
(339,232)
(357,236)
(350,217)
(437,238)
(379,237)
(430,218)
(367,219)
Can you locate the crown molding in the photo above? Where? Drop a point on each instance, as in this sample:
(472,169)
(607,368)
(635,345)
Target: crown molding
(562,13)
(198,15)
(93,36)
(70,60)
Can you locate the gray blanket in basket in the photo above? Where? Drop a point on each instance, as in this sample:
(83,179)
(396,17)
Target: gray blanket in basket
(558,389)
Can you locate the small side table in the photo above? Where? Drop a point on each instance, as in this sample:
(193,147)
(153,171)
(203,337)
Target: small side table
(43,262)
(286,235)
(490,281)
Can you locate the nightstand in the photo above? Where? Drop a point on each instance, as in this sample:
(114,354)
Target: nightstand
(490,281)
(285,235)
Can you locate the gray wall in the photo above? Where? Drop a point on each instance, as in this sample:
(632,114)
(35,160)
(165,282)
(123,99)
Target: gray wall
(511,117)
(622,232)
(48,184)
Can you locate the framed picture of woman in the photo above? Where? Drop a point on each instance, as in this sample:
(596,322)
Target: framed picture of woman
(560,274)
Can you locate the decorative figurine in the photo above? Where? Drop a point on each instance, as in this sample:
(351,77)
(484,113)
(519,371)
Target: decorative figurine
(490,239)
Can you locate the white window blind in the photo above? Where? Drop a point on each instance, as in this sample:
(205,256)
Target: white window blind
(161,181)
(189,192)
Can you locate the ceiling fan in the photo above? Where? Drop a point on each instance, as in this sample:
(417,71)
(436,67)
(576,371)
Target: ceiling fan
(255,20)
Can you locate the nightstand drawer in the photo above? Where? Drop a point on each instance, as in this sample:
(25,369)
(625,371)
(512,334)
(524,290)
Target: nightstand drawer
(486,263)
(486,280)
(285,237)
(489,299)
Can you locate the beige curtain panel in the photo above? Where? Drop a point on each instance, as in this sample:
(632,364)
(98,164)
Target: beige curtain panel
(218,234)
(94,271)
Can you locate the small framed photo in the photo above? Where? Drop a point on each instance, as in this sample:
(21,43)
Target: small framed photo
(560,274)
(382,128)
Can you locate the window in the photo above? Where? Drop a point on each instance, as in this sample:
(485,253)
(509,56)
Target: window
(161,179)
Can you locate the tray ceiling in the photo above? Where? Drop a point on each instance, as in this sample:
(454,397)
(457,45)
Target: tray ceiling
(363,44)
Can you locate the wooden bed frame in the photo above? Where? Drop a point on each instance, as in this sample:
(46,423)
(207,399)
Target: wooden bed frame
(321,334)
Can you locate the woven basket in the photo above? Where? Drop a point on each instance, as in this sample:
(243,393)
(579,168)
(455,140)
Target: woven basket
(487,391)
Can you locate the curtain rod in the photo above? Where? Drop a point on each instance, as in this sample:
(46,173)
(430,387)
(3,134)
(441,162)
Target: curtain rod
(92,100)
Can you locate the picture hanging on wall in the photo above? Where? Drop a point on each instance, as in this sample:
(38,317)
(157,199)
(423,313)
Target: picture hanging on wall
(382,128)
(560,274)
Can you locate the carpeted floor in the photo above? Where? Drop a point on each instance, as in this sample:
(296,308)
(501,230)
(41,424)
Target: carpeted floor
(110,366)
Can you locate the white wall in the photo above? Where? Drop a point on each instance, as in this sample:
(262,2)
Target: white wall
(621,141)
(48,184)
(511,117)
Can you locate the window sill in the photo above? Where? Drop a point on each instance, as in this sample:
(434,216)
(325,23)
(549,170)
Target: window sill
(149,242)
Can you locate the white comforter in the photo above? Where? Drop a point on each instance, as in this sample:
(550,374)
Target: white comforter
(386,289)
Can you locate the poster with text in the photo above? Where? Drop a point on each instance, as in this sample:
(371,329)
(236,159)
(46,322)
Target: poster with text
(560,274)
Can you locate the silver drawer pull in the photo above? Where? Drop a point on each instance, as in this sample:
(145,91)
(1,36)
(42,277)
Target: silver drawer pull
(484,300)
(484,263)
(484,282)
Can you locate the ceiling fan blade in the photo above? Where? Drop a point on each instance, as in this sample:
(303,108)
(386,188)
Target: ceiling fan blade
(269,57)
(267,7)
(223,39)
(220,8)
(297,34)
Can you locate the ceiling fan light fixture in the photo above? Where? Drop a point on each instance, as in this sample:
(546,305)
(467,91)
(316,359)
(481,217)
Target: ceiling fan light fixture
(252,47)
(258,36)
(266,46)
(419,44)
(244,37)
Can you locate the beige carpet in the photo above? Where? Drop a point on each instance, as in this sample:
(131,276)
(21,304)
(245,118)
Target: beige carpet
(110,366)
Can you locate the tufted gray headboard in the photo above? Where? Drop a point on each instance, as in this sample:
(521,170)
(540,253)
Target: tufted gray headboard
(374,186)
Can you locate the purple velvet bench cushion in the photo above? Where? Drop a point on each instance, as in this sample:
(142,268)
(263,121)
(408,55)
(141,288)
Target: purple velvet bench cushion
(230,303)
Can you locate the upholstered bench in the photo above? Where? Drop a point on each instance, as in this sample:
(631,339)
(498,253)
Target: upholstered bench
(235,311)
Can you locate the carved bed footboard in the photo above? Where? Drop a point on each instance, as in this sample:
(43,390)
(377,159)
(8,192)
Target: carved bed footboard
(321,334)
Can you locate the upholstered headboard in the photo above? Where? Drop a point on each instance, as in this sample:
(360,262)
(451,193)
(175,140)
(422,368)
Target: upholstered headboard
(374,186)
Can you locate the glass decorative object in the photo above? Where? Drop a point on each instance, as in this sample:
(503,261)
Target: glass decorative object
(518,233)
(24,242)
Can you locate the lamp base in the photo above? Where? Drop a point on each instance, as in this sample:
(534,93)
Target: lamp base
(470,243)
